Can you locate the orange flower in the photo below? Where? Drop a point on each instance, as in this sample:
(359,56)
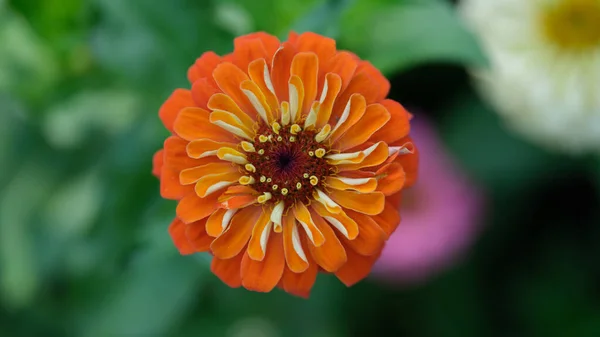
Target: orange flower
(286,160)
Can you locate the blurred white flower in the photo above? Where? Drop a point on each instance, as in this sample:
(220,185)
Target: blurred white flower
(544,73)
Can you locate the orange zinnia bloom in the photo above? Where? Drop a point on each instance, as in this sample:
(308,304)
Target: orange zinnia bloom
(286,160)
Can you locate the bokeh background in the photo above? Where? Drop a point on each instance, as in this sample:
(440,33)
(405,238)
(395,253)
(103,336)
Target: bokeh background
(84,249)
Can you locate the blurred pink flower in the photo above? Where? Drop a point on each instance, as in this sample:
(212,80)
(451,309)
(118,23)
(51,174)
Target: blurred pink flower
(440,216)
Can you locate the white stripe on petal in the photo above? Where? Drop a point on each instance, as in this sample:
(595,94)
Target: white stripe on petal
(217,187)
(267,78)
(277,214)
(256,104)
(227,218)
(236,131)
(337,224)
(296,243)
(354,181)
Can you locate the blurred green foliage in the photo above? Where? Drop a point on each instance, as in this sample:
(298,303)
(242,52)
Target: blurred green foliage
(83,244)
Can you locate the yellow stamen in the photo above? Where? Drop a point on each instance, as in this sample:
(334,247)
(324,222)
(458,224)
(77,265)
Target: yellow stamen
(269,180)
(263,138)
(314,180)
(263,179)
(250,168)
(305,175)
(284,191)
(285,113)
(261,152)
(248,147)
(247,180)
(311,153)
(295,129)
(279,138)
(292,139)
(320,153)
(263,198)
(275,187)
(322,135)
(298,186)
(276,127)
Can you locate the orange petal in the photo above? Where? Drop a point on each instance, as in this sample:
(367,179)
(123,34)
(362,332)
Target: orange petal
(259,73)
(239,201)
(341,221)
(179,99)
(371,238)
(157,162)
(192,175)
(197,236)
(231,123)
(397,127)
(305,65)
(223,102)
(303,216)
(193,208)
(236,236)
(177,232)
(257,248)
(331,255)
(194,123)
(367,203)
(175,160)
(388,219)
(353,112)
(322,46)
(264,275)
(176,156)
(357,268)
(300,284)
(254,46)
(246,49)
(360,83)
(296,98)
(280,70)
(258,100)
(205,147)
(228,78)
(390,178)
(363,185)
(380,82)
(344,64)
(212,183)
(374,155)
(374,118)
(228,270)
(292,246)
(204,66)
(409,162)
(202,91)
(331,88)
(218,221)
(170,188)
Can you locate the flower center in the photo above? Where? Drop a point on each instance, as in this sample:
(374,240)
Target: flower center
(573,25)
(287,163)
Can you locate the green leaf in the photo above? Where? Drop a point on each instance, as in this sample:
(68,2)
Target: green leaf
(149,300)
(404,35)
(275,16)
(19,200)
(323,18)
(490,152)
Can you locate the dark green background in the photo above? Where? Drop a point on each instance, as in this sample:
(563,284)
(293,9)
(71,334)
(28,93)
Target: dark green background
(84,249)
